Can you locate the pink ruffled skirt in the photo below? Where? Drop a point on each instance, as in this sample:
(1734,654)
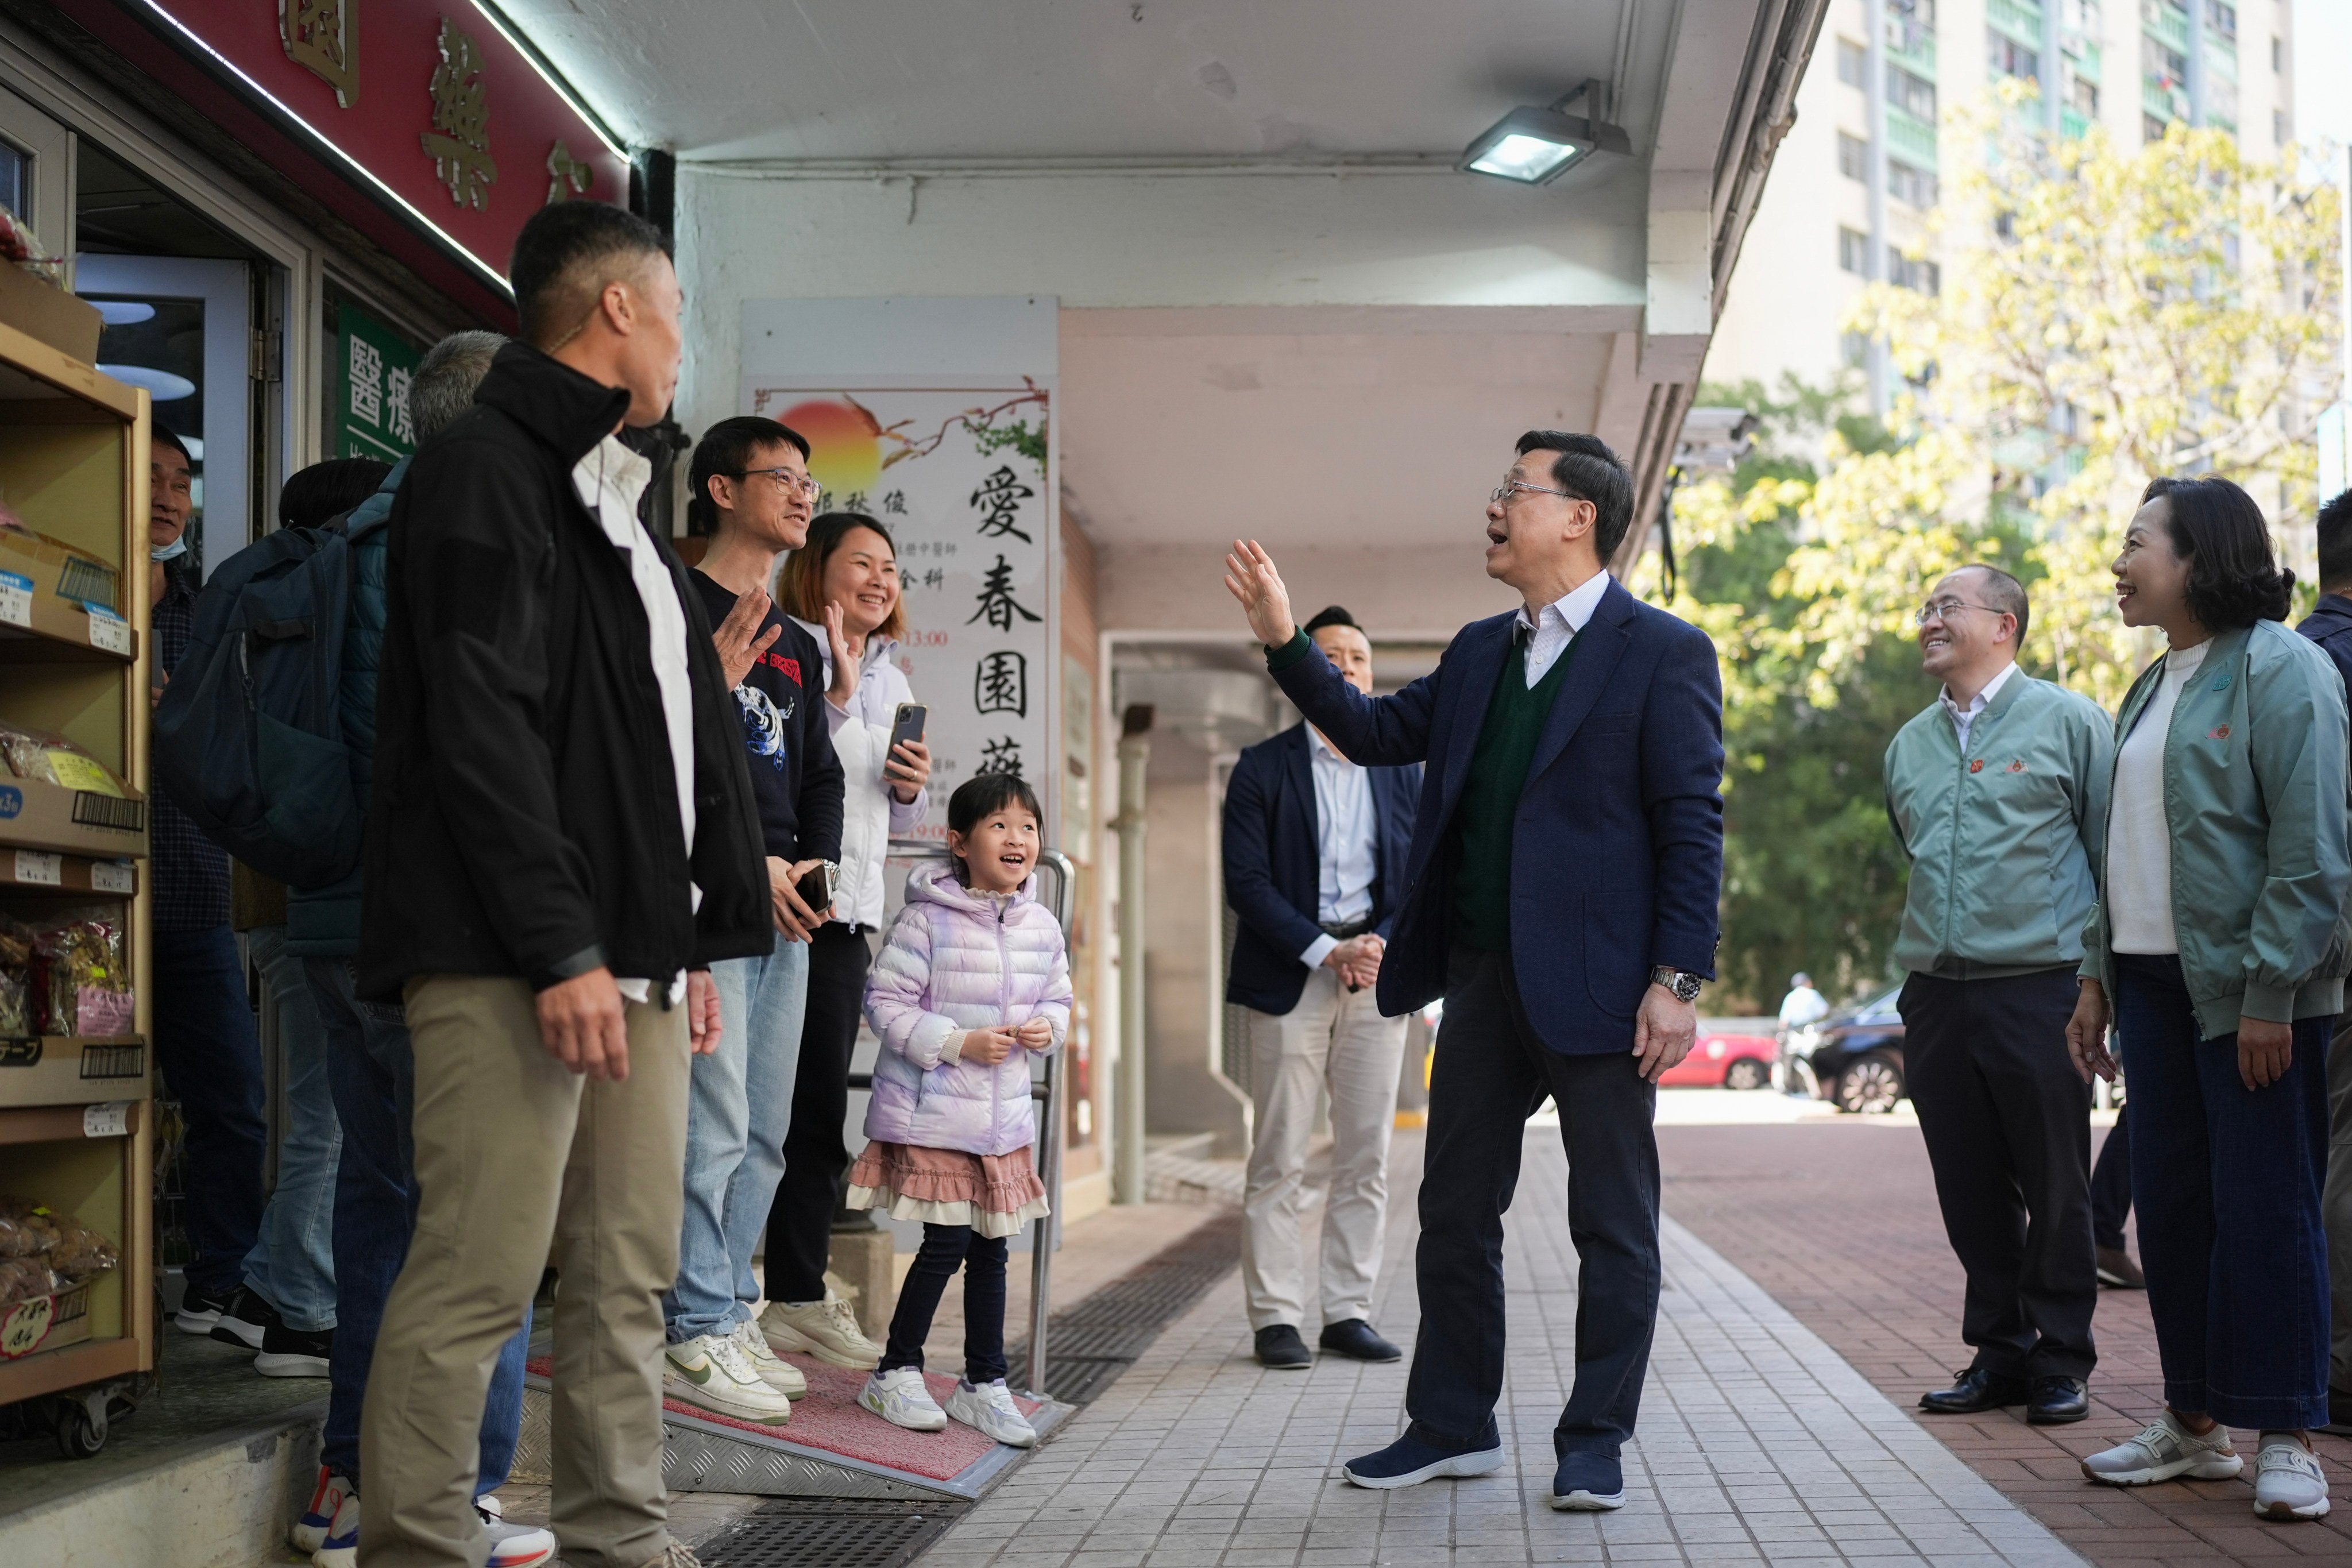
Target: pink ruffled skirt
(995,1194)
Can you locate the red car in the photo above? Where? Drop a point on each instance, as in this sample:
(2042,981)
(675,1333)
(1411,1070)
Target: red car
(1724,1061)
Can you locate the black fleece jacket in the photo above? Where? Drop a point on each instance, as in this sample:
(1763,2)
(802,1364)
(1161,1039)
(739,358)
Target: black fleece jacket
(524,816)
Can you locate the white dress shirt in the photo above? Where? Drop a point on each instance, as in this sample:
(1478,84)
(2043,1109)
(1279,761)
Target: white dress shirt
(609,481)
(2140,831)
(1558,623)
(1963,718)
(1347,842)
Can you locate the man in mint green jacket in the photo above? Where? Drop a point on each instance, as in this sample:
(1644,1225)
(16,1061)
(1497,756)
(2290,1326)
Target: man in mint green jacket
(1996,792)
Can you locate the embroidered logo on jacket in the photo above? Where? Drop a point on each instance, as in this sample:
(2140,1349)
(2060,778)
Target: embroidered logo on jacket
(2017,767)
(2221,733)
(763,726)
(790,666)
(1977,766)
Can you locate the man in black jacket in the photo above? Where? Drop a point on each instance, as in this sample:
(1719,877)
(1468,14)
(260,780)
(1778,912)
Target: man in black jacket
(560,842)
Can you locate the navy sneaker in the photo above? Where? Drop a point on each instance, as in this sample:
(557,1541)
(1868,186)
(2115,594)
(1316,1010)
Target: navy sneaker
(1408,1461)
(1588,1481)
(200,1309)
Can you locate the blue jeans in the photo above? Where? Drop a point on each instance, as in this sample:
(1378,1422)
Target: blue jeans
(2226,1183)
(374,1080)
(292,1263)
(738,1109)
(211,1062)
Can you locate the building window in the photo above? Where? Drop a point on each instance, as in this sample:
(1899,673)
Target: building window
(1904,272)
(2278,55)
(1853,252)
(2006,57)
(1915,95)
(2281,132)
(2151,129)
(1907,184)
(1853,157)
(1853,348)
(1853,63)
(2166,67)
(2084,96)
(2223,18)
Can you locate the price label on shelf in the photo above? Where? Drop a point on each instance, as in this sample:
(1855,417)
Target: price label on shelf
(16,599)
(26,1325)
(41,868)
(111,877)
(108,630)
(111,1119)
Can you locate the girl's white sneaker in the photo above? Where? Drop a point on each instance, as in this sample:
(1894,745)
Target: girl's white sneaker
(990,1407)
(899,1397)
(2288,1482)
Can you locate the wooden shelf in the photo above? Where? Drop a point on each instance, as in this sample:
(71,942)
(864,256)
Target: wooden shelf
(37,816)
(69,1070)
(31,370)
(58,1123)
(76,875)
(46,1372)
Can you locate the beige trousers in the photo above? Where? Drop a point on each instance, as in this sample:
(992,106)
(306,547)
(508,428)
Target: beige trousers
(514,1153)
(1338,1041)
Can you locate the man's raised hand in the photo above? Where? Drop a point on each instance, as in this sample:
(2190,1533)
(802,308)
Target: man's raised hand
(1251,578)
(740,641)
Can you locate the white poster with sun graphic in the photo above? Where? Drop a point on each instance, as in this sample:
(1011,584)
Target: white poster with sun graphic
(961,478)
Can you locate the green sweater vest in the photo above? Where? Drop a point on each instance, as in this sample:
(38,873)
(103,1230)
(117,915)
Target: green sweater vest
(1487,812)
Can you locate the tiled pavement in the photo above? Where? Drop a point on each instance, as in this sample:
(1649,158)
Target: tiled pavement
(1758,1444)
(1838,1222)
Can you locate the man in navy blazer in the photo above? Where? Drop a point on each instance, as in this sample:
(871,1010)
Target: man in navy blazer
(1315,848)
(1560,894)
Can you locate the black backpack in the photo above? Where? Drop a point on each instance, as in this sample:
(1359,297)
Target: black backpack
(249,733)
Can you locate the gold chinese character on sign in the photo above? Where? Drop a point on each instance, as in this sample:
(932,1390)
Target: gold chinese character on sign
(567,176)
(460,141)
(323,37)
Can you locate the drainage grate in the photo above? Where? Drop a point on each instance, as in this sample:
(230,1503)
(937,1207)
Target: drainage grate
(829,1532)
(1091,1343)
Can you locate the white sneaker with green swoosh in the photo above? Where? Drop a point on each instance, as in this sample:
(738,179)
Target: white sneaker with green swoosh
(712,1374)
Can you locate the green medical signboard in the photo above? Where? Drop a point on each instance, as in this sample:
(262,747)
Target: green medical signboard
(372,389)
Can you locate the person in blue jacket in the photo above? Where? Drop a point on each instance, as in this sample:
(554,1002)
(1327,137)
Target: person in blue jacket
(1560,894)
(1315,849)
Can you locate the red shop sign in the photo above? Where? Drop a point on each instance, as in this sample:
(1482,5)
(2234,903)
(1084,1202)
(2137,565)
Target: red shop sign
(430,101)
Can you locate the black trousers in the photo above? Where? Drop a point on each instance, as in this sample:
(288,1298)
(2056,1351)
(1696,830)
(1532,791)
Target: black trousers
(946,1249)
(800,1221)
(2007,1121)
(2110,1184)
(1490,1074)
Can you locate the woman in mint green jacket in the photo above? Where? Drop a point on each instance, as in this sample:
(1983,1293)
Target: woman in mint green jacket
(2220,934)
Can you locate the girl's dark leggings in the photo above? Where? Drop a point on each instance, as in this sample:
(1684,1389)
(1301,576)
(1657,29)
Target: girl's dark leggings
(982,1259)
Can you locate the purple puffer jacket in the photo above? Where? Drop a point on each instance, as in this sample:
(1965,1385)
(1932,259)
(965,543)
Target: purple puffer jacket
(957,960)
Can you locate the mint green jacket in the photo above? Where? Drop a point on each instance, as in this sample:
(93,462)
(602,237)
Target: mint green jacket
(2255,793)
(2000,836)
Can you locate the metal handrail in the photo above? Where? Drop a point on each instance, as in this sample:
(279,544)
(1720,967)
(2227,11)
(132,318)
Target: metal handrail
(1044,1087)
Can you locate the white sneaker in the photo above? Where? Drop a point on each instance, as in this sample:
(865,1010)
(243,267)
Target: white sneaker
(2288,1481)
(2166,1451)
(826,1330)
(711,1371)
(777,1374)
(515,1545)
(309,1531)
(900,1397)
(990,1407)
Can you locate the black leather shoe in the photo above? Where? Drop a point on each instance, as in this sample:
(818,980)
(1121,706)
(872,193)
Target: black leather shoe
(1279,1347)
(1354,1338)
(2057,1401)
(1976,1390)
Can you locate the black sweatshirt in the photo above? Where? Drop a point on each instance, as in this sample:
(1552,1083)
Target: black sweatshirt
(796,777)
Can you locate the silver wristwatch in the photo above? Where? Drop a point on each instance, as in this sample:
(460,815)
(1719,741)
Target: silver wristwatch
(1681,982)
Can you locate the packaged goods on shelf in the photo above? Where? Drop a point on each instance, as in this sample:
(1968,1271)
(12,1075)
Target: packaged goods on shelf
(71,1249)
(82,985)
(18,1015)
(25,1279)
(46,758)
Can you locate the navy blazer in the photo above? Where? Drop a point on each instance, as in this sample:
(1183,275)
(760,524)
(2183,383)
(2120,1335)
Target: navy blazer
(1274,864)
(1617,851)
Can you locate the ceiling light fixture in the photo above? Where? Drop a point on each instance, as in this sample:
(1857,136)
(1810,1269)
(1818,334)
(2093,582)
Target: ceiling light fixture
(1535,147)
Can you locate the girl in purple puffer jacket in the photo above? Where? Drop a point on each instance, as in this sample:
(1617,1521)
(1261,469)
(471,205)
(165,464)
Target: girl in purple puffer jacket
(972,980)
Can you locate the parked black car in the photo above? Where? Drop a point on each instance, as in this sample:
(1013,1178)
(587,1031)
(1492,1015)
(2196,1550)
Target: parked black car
(1853,1059)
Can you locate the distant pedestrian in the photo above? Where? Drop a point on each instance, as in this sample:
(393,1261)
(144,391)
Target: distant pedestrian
(1315,849)
(2220,936)
(2330,625)
(1802,1005)
(973,982)
(1997,791)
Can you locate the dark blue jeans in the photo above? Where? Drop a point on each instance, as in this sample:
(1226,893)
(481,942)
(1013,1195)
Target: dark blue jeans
(947,1247)
(211,1059)
(374,1077)
(1492,1071)
(2227,1185)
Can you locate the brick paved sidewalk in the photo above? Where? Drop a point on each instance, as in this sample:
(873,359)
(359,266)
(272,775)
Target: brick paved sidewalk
(1838,1222)
(1756,1444)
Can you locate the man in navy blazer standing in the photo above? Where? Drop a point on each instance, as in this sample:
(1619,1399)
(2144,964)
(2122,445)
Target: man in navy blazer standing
(1560,894)
(1315,850)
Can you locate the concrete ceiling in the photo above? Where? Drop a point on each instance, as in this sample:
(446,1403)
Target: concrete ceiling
(1070,78)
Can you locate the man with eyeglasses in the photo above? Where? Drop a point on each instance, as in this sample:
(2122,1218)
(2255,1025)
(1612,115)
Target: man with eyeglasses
(749,490)
(1560,894)
(1996,792)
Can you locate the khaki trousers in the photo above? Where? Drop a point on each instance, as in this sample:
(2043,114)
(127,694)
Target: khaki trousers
(1336,1040)
(514,1153)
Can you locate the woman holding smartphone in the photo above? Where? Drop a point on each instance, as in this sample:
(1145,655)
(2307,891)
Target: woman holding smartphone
(842,587)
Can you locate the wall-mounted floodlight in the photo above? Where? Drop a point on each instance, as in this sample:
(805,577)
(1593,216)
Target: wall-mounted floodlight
(1536,146)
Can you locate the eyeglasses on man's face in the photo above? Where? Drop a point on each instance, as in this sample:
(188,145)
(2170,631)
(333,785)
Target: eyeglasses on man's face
(1937,609)
(791,481)
(1511,490)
